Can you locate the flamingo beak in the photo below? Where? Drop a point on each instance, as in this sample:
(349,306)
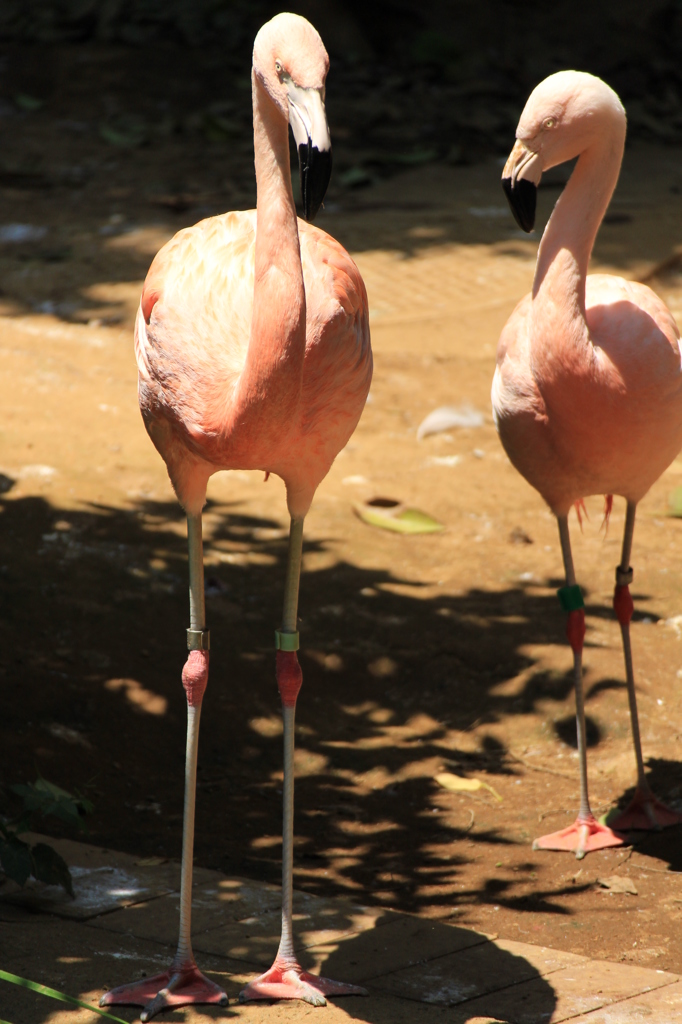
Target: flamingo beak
(308,121)
(520,180)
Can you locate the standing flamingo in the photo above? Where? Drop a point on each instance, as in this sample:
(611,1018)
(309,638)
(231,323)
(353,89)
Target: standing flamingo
(253,350)
(587,394)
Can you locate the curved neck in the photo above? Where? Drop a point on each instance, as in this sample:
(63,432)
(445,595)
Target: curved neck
(566,245)
(274,361)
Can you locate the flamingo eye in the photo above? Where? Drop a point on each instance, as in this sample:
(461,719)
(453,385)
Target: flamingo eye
(549,122)
(278,67)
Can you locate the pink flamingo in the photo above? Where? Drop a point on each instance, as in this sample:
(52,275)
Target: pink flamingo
(587,394)
(253,350)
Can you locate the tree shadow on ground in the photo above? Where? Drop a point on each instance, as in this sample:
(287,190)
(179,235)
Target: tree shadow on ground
(93,612)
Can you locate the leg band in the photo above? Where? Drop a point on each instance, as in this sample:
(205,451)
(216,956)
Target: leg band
(624,577)
(198,640)
(571,598)
(286,641)
(575,629)
(195,676)
(289,677)
(622,603)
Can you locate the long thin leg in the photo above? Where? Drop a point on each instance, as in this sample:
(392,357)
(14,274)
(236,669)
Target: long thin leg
(586,833)
(183,983)
(286,979)
(644,811)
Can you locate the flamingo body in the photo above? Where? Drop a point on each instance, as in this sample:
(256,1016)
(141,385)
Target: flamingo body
(193,348)
(253,351)
(587,392)
(603,414)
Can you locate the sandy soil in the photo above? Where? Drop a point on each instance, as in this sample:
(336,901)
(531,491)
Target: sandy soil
(419,653)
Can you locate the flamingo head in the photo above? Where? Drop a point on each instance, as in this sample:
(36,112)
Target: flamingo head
(564,115)
(290,60)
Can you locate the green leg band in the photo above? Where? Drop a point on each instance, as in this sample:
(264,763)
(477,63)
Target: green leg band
(571,598)
(286,641)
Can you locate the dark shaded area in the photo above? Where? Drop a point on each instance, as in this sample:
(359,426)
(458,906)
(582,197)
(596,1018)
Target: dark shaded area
(92,617)
(412,82)
(566,731)
(121,114)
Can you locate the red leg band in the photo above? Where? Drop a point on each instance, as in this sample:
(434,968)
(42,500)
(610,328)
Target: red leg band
(622,604)
(575,629)
(289,677)
(195,676)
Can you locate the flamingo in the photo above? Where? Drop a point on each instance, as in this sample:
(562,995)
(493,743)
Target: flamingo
(253,351)
(587,392)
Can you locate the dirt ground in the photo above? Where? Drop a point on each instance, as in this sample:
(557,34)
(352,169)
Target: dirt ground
(419,653)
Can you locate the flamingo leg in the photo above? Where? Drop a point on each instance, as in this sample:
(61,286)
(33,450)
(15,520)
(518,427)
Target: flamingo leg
(586,834)
(183,983)
(286,979)
(644,811)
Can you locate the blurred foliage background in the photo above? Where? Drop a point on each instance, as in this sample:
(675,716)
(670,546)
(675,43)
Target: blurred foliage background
(459,70)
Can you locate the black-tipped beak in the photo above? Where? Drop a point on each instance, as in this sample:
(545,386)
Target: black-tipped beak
(520,180)
(316,169)
(308,122)
(522,198)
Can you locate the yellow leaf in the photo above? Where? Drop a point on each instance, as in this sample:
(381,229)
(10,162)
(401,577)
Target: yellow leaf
(457,784)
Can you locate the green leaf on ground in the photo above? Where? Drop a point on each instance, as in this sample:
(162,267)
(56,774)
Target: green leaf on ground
(15,858)
(45,798)
(126,131)
(51,868)
(27,103)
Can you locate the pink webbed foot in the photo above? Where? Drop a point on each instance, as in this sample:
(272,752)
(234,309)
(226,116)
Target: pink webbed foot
(289,981)
(645,812)
(584,836)
(185,987)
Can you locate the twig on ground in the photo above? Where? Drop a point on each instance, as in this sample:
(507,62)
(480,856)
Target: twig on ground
(548,814)
(540,768)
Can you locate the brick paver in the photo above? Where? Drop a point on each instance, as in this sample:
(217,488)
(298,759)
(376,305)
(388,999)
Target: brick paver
(123,925)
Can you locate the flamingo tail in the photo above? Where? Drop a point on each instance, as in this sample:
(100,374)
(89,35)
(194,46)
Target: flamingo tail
(579,507)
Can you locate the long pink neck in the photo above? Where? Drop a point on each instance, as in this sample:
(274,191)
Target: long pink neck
(270,383)
(559,335)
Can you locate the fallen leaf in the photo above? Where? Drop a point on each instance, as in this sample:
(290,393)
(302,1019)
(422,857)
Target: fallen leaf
(354,177)
(448,416)
(126,131)
(458,784)
(150,862)
(519,536)
(618,883)
(27,103)
(389,514)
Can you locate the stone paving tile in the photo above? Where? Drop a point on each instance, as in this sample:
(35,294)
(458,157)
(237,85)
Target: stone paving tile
(544,959)
(399,943)
(663,1006)
(63,955)
(465,975)
(418,971)
(73,958)
(213,904)
(316,922)
(375,1009)
(103,880)
(575,990)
